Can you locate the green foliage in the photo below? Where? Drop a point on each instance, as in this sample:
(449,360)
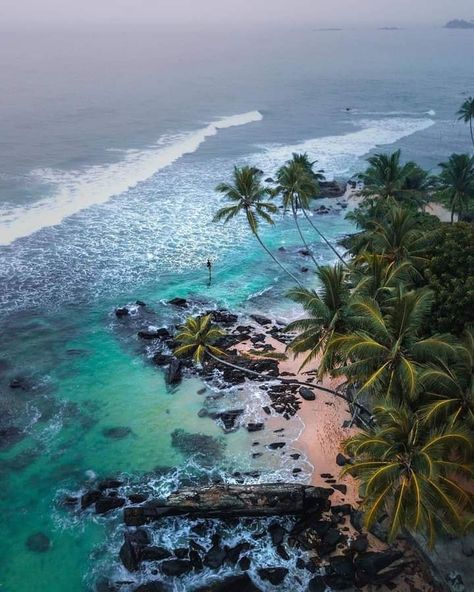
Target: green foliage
(449,274)
(196,338)
(456,183)
(410,471)
(466,114)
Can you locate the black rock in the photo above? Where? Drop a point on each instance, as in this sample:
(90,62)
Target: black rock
(174,372)
(240,583)
(307,394)
(90,497)
(122,312)
(223,317)
(261,320)
(182,552)
(275,575)
(155,586)
(372,562)
(244,563)
(359,544)
(215,557)
(275,445)
(255,427)
(357,520)
(341,460)
(195,559)
(38,542)
(154,334)
(179,302)
(295,456)
(317,584)
(267,409)
(277,533)
(10,436)
(281,550)
(117,433)
(109,484)
(139,536)
(161,359)
(129,555)
(20,383)
(137,498)
(340,487)
(107,503)
(154,553)
(233,553)
(176,567)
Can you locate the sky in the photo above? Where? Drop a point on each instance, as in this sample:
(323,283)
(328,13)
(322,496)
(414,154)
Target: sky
(245,12)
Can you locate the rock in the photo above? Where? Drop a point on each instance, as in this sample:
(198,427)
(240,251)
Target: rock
(139,536)
(10,436)
(129,555)
(276,445)
(307,394)
(155,586)
(137,498)
(244,563)
(267,409)
(153,553)
(304,252)
(341,572)
(203,412)
(295,456)
(233,553)
(20,383)
(107,503)
(179,302)
(122,312)
(304,269)
(357,520)
(359,544)
(317,584)
(274,575)
(176,567)
(255,427)
(467,545)
(90,497)
(261,320)
(195,560)
(38,542)
(281,550)
(344,509)
(229,419)
(181,552)
(331,189)
(369,564)
(240,583)
(174,372)
(109,484)
(277,533)
(202,391)
(223,317)
(161,359)
(215,557)
(341,460)
(340,487)
(117,433)
(154,334)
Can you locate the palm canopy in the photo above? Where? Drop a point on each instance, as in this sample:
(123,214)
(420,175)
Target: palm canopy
(327,310)
(412,472)
(296,184)
(304,160)
(450,388)
(385,353)
(386,176)
(196,338)
(457,182)
(246,195)
(466,114)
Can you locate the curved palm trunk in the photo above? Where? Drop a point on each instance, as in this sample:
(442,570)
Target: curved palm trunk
(267,250)
(324,238)
(472,130)
(290,381)
(295,217)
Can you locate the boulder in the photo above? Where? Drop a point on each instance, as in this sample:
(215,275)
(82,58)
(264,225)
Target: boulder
(371,563)
(255,427)
(155,586)
(307,394)
(244,563)
(240,583)
(341,460)
(179,302)
(276,445)
(195,560)
(277,533)
(122,312)
(107,503)
(137,498)
(9,436)
(129,555)
(282,552)
(261,320)
(154,334)
(174,372)
(90,497)
(317,584)
(117,433)
(214,557)
(153,553)
(274,575)
(360,544)
(176,567)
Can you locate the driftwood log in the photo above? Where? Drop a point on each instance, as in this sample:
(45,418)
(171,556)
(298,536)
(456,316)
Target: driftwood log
(223,501)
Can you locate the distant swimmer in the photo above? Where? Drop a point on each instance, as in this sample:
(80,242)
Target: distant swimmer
(209,268)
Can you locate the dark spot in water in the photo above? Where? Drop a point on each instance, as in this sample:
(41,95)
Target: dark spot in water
(38,542)
(206,447)
(117,433)
(9,436)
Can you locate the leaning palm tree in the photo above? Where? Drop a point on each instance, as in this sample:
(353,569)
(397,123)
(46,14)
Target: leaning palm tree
(466,114)
(385,353)
(451,387)
(327,310)
(296,186)
(457,182)
(304,202)
(248,196)
(411,472)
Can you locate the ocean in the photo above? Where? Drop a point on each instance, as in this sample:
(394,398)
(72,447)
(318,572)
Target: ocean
(112,142)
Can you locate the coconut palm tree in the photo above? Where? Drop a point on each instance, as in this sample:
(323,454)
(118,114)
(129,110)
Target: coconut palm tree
(247,195)
(466,114)
(385,353)
(385,177)
(304,202)
(327,310)
(412,471)
(296,186)
(457,182)
(451,387)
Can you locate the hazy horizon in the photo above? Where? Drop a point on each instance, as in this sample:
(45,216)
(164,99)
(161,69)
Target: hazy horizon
(317,13)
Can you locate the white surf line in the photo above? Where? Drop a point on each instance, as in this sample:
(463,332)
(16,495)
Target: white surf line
(80,189)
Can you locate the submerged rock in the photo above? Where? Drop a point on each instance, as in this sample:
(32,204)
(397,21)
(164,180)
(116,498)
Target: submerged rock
(107,503)
(179,302)
(117,433)
(9,436)
(38,542)
(274,575)
(174,372)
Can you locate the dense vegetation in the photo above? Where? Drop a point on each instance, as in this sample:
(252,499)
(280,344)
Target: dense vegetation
(395,317)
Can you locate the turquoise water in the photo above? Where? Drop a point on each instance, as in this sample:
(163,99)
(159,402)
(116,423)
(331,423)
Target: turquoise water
(91,219)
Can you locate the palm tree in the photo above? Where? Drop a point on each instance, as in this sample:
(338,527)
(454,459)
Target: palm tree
(327,311)
(466,114)
(296,186)
(411,471)
(451,387)
(457,182)
(385,177)
(304,161)
(247,195)
(385,353)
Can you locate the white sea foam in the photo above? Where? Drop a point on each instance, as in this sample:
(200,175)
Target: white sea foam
(339,155)
(77,190)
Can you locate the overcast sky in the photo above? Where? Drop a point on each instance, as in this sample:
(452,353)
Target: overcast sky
(319,12)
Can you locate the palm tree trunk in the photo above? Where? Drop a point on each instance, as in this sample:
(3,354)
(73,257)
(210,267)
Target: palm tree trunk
(295,217)
(324,238)
(267,250)
(290,381)
(472,130)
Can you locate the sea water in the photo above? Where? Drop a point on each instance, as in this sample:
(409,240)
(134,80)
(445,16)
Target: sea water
(112,144)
